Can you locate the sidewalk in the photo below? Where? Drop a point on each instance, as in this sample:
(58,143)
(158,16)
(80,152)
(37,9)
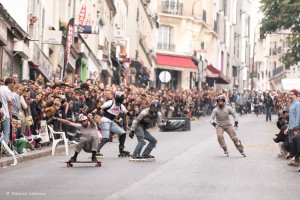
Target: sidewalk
(44,151)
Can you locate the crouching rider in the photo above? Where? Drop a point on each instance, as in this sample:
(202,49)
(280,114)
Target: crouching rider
(90,137)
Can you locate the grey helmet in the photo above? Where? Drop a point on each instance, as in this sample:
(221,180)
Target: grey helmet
(221,98)
(154,107)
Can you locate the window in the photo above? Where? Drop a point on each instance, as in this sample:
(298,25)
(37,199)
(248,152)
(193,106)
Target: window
(166,38)
(172,7)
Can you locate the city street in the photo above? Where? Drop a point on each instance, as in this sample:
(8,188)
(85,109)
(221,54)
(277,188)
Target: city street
(189,165)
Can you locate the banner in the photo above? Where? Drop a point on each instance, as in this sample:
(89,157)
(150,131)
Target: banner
(70,30)
(82,15)
(88,29)
(44,131)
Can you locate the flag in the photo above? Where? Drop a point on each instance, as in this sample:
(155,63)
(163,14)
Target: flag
(70,30)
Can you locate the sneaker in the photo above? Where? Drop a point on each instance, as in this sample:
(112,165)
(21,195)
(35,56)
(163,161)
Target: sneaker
(99,154)
(94,159)
(72,159)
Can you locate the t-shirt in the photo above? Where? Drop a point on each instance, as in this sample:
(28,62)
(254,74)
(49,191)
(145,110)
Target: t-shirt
(114,109)
(16,105)
(5,97)
(222,115)
(87,132)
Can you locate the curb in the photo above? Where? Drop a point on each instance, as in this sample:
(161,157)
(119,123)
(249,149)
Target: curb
(45,151)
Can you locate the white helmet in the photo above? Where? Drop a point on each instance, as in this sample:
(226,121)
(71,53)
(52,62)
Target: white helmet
(81,117)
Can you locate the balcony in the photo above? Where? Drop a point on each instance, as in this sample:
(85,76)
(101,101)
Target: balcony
(277,71)
(165,46)
(173,8)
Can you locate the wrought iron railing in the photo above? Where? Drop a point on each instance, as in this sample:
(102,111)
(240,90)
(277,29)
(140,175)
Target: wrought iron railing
(166,46)
(172,7)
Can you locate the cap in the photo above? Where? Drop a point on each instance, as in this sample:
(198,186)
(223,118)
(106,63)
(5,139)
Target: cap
(295,92)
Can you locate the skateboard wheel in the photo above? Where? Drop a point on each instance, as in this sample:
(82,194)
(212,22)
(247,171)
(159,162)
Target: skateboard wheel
(98,165)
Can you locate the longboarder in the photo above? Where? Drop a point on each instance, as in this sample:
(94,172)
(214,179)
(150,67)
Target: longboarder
(89,136)
(139,128)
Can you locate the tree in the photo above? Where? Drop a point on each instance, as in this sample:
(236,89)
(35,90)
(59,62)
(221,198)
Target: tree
(283,14)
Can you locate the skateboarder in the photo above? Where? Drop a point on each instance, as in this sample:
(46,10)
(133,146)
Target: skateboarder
(112,109)
(221,114)
(89,135)
(139,127)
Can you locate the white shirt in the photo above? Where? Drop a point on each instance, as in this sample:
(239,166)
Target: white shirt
(114,109)
(5,97)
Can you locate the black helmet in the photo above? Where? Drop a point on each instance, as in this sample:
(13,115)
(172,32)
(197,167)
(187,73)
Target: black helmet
(119,97)
(221,98)
(154,107)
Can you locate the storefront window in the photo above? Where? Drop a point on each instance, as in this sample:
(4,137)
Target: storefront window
(5,65)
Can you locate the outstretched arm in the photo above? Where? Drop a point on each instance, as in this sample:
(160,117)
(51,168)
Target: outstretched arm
(66,122)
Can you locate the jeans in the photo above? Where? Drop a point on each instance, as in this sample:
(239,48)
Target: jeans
(6,129)
(106,127)
(268,113)
(142,135)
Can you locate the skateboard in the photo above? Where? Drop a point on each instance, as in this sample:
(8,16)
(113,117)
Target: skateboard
(70,164)
(142,160)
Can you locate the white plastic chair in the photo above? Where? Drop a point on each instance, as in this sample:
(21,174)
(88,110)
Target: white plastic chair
(56,141)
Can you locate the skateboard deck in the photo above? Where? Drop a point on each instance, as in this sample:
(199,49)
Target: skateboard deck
(142,160)
(70,164)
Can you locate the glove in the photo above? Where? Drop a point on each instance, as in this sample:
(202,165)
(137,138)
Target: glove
(131,134)
(236,123)
(214,124)
(54,119)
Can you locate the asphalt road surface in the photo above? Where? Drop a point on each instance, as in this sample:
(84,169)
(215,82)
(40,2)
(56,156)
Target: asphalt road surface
(189,165)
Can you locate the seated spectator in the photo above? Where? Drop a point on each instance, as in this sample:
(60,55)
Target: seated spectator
(295,153)
(282,139)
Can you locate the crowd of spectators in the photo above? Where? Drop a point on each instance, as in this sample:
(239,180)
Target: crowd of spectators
(35,100)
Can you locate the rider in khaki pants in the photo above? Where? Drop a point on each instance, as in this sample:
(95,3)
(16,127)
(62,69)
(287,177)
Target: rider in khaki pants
(220,120)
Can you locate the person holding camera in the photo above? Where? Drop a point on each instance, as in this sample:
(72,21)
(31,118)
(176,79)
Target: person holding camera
(221,114)
(140,126)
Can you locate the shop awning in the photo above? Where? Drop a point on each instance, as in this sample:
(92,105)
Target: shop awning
(217,75)
(179,63)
